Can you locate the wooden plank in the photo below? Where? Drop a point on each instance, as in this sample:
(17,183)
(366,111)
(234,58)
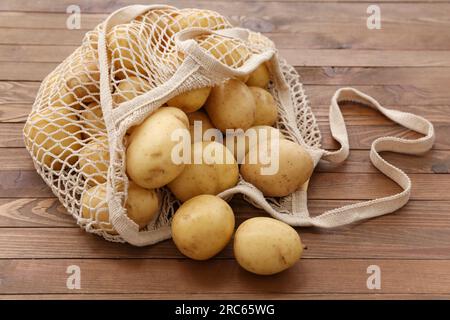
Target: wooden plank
(366,58)
(157,276)
(435,161)
(32,212)
(360,136)
(373,76)
(283,14)
(21,184)
(312,35)
(417,231)
(335,186)
(225,296)
(28,71)
(340,186)
(355,114)
(41,36)
(297,57)
(109,6)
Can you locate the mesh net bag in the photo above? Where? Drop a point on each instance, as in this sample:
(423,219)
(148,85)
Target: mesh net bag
(135,61)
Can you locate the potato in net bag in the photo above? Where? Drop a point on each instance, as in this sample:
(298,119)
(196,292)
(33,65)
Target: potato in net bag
(134,62)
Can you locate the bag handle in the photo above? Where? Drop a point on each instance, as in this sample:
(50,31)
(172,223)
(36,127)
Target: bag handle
(377,207)
(185,41)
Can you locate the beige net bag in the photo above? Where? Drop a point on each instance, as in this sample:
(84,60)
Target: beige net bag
(134,62)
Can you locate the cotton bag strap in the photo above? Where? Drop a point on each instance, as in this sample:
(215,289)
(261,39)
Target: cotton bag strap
(377,207)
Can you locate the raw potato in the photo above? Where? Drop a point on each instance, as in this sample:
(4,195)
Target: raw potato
(94,123)
(94,160)
(266,246)
(197,18)
(125,52)
(266,107)
(53,135)
(202,227)
(205,124)
(295,168)
(190,101)
(142,205)
(149,154)
(94,206)
(83,79)
(240,144)
(216,173)
(129,88)
(231,106)
(56,92)
(259,78)
(232,53)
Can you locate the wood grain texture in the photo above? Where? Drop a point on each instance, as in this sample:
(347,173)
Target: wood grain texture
(401,65)
(297,57)
(417,231)
(225,296)
(336,186)
(158,276)
(435,161)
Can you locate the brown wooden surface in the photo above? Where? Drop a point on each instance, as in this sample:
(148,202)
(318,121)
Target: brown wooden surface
(405,65)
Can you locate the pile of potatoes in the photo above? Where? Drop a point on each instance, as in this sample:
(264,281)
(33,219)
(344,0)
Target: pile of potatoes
(204,223)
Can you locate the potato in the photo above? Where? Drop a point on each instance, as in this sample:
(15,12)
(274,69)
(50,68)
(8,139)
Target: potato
(217,172)
(231,52)
(202,226)
(205,124)
(130,88)
(83,76)
(149,154)
(94,206)
(198,18)
(266,107)
(260,77)
(142,206)
(125,51)
(94,122)
(53,135)
(55,93)
(231,106)
(266,246)
(239,144)
(94,160)
(295,166)
(190,101)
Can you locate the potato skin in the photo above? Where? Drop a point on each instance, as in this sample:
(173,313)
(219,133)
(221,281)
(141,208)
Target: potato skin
(234,142)
(53,135)
(266,108)
(94,206)
(260,77)
(266,246)
(204,178)
(202,226)
(231,106)
(94,160)
(149,162)
(190,101)
(295,168)
(142,204)
(205,124)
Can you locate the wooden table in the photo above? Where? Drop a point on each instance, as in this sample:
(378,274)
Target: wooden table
(406,65)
